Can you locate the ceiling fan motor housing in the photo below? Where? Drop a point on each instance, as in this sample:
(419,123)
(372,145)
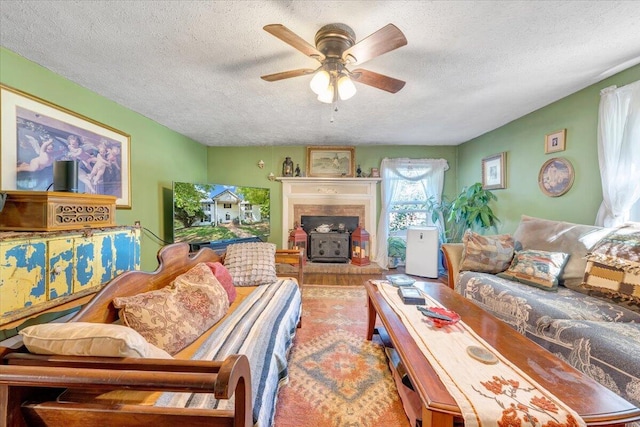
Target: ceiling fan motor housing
(333,39)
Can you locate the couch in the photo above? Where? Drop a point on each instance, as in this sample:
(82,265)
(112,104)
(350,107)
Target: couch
(203,340)
(573,289)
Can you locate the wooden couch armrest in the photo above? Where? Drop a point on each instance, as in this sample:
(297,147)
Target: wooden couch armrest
(294,257)
(223,378)
(453,256)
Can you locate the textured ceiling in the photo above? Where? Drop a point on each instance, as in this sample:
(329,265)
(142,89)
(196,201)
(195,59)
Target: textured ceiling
(195,66)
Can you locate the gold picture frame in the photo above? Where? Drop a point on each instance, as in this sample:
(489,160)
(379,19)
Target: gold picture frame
(494,172)
(556,177)
(36,133)
(555,141)
(331,162)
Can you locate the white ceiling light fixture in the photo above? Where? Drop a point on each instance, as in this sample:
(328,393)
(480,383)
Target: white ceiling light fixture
(335,49)
(331,82)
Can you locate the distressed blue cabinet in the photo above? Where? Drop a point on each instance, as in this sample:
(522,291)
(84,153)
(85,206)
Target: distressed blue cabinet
(41,270)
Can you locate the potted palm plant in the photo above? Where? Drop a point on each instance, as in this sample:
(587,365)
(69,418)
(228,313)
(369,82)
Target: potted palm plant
(469,210)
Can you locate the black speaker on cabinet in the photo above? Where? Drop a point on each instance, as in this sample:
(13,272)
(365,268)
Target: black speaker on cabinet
(65,176)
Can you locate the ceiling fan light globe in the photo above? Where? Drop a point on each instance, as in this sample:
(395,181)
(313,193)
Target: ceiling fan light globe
(346,88)
(326,96)
(320,82)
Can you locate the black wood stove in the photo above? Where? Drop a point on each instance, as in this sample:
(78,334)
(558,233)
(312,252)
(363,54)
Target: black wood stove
(329,247)
(333,245)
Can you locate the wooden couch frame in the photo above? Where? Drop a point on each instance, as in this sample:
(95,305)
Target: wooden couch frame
(30,384)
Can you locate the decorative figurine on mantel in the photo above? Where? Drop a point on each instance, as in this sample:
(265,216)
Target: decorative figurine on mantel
(287,167)
(297,169)
(359,172)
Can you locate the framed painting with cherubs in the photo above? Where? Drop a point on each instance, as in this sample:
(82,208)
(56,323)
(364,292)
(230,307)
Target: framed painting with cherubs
(36,133)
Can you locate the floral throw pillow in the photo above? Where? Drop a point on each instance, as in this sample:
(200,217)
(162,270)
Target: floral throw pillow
(486,254)
(173,317)
(251,264)
(537,268)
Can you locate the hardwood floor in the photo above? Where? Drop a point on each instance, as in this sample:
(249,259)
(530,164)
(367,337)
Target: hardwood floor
(336,279)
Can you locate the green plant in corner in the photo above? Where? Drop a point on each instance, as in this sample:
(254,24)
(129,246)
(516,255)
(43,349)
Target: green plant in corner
(469,210)
(397,250)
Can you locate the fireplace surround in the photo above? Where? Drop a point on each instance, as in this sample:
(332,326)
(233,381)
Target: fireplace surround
(329,197)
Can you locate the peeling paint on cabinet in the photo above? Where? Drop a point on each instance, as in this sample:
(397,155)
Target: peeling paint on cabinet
(41,270)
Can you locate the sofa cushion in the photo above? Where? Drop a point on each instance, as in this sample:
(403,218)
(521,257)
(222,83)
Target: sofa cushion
(89,339)
(173,317)
(559,236)
(486,254)
(536,268)
(225,279)
(527,308)
(251,264)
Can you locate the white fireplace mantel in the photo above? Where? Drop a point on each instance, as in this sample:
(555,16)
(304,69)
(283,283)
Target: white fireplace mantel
(297,191)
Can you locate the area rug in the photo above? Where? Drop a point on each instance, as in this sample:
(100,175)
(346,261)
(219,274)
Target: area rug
(336,377)
(331,267)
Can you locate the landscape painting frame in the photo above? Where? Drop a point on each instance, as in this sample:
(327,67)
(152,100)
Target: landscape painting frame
(331,161)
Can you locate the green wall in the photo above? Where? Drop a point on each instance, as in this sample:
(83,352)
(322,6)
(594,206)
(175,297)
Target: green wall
(158,155)
(523,140)
(238,166)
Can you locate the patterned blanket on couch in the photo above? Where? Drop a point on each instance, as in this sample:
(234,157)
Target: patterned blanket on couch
(596,336)
(262,328)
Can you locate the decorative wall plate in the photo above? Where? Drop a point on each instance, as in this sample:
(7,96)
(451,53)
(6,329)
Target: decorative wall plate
(556,177)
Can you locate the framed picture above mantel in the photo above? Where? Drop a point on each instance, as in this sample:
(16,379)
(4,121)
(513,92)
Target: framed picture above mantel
(37,133)
(330,161)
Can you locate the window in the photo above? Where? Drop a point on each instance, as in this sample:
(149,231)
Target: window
(619,154)
(406,186)
(634,212)
(227,206)
(409,208)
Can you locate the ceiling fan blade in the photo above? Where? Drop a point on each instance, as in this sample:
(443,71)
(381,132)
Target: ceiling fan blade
(287,74)
(291,38)
(382,41)
(379,81)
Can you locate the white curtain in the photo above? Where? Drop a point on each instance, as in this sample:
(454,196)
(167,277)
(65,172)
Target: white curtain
(619,152)
(429,172)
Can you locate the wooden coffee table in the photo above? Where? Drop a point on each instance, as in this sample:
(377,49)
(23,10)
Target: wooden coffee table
(596,404)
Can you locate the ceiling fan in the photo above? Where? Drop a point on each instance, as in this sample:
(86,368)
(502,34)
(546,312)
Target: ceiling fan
(336,48)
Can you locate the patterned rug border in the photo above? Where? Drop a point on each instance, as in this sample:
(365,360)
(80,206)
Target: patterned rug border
(332,268)
(333,291)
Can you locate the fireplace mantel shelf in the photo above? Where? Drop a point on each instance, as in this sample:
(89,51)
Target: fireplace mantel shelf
(301,179)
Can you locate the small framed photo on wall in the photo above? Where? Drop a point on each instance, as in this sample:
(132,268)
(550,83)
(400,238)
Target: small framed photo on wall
(555,141)
(493,172)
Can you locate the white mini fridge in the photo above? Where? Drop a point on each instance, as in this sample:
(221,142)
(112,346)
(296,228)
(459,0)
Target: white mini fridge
(422,252)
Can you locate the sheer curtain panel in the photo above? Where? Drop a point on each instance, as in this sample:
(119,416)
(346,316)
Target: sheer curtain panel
(429,172)
(619,153)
